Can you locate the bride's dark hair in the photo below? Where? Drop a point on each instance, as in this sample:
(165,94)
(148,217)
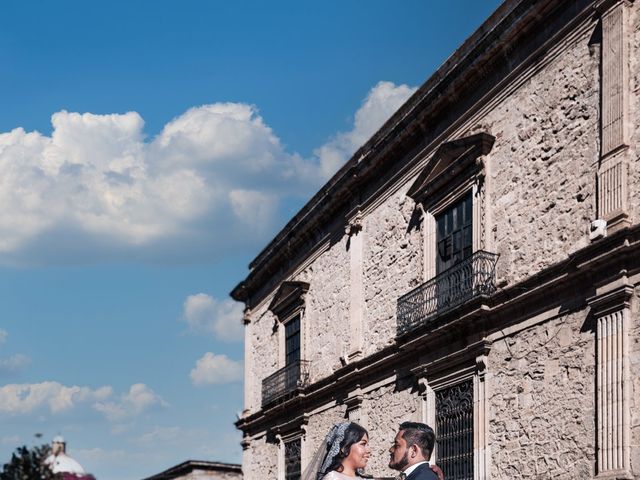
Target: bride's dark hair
(353,434)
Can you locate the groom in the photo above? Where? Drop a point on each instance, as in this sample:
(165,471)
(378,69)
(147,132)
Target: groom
(411,451)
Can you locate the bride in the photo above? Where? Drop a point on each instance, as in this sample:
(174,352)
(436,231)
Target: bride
(343,453)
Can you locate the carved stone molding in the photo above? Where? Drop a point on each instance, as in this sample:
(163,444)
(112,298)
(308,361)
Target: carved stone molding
(355,225)
(454,161)
(353,403)
(288,298)
(246,316)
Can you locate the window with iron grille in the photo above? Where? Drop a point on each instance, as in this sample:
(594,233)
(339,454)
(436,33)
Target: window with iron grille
(454,430)
(454,234)
(292,465)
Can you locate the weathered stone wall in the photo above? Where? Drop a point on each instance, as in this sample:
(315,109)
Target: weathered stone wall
(393,265)
(264,342)
(543,164)
(263,462)
(318,428)
(541,401)
(327,310)
(382,411)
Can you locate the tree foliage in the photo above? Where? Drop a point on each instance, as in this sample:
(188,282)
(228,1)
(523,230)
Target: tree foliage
(28,464)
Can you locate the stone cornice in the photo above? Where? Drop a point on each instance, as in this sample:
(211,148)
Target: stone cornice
(571,278)
(494,51)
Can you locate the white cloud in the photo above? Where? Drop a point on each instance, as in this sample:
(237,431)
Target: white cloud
(381,102)
(222,318)
(137,400)
(3,336)
(36,398)
(214,369)
(14,363)
(17,399)
(213,179)
(96,184)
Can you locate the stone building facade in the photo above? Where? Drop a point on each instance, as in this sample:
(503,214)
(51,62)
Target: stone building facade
(475,265)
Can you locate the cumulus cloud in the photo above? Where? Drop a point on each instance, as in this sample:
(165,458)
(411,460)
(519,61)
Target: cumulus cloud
(14,363)
(214,178)
(214,369)
(222,318)
(31,398)
(137,400)
(381,102)
(3,336)
(17,399)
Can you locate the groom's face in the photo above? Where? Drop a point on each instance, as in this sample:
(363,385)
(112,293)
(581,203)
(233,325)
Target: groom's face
(399,459)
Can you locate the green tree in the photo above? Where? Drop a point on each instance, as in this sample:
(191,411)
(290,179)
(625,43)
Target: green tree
(28,464)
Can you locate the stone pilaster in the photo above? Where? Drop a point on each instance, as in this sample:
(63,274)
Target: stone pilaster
(611,311)
(354,410)
(481,453)
(356,302)
(614,124)
(428,244)
(248,360)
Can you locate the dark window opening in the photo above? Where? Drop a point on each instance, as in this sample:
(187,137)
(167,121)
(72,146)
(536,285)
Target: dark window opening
(292,340)
(454,234)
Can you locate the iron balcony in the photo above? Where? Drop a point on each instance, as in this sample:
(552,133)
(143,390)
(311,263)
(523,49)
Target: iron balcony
(473,277)
(285,383)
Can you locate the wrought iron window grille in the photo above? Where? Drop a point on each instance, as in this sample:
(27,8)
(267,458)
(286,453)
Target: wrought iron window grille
(454,431)
(473,277)
(285,382)
(292,459)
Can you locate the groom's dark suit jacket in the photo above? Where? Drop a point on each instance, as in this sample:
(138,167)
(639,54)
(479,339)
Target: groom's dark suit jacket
(422,472)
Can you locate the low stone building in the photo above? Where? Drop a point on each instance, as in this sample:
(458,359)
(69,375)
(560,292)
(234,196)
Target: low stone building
(200,470)
(474,265)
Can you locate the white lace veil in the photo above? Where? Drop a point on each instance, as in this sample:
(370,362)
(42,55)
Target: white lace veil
(326,452)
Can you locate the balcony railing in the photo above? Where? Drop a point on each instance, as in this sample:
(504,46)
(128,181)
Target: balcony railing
(473,277)
(285,382)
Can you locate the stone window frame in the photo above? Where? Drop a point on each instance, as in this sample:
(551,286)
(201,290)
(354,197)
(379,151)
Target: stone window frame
(441,373)
(288,303)
(456,168)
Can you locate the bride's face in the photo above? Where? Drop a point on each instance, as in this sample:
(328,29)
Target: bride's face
(359,453)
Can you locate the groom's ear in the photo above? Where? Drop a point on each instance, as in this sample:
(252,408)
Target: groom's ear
(414,450)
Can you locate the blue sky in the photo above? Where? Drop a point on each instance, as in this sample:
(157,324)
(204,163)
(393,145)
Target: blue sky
(148,151)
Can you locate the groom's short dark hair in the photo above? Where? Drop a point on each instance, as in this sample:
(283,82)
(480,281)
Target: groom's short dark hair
(420,434)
